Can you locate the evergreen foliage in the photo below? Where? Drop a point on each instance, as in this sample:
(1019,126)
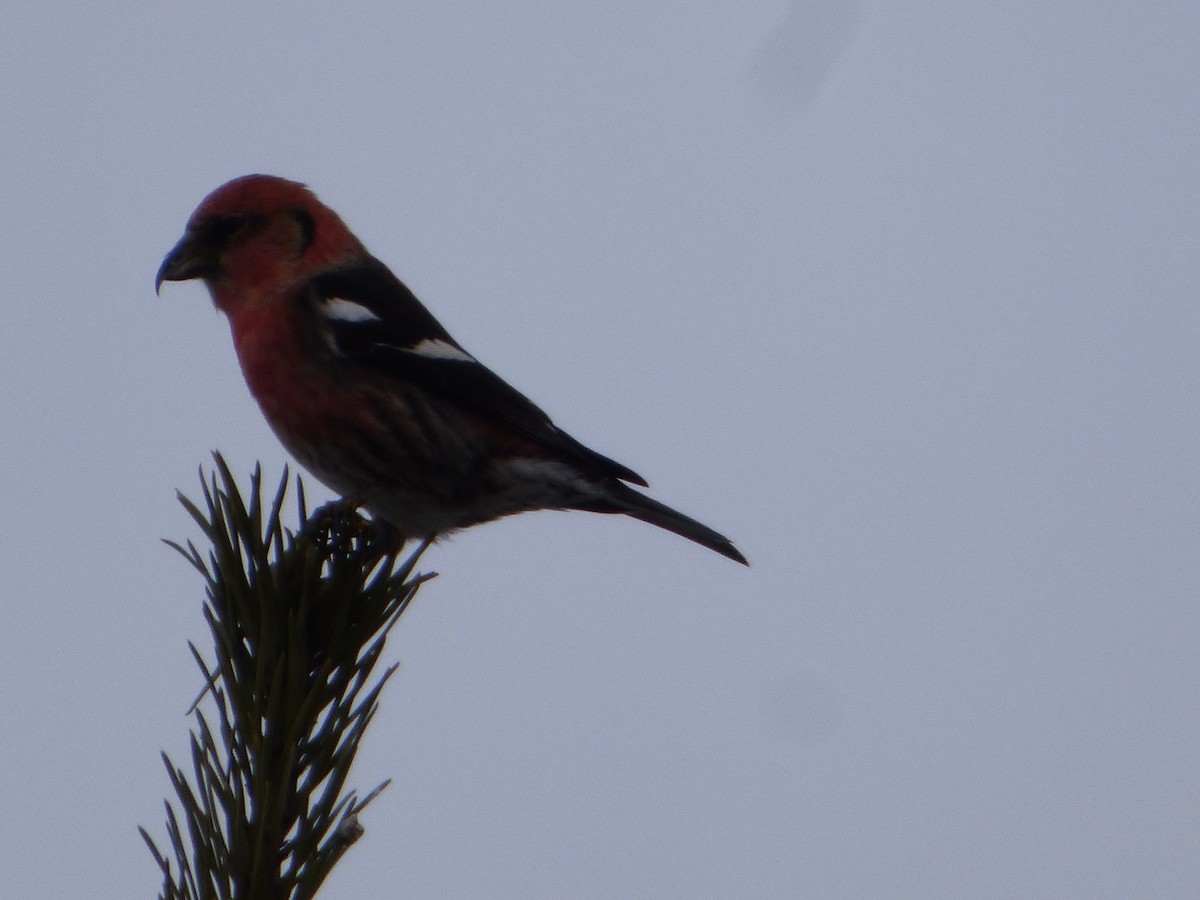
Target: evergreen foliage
(299,621)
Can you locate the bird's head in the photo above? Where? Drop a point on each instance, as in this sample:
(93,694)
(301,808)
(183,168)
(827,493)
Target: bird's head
(255,237)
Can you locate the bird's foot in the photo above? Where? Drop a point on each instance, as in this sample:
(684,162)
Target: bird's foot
(339,527)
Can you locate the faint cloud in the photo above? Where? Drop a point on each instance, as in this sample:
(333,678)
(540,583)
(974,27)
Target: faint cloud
(802,706)
(796,57)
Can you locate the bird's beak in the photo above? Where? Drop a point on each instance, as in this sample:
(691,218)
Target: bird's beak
(188,259)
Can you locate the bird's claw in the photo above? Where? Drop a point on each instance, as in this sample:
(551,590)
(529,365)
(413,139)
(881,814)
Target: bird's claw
(339,526)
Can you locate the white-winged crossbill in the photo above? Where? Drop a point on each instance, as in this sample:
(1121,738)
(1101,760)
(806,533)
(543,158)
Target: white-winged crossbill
(369,392)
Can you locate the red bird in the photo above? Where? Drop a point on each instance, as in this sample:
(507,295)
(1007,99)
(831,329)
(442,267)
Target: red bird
(369,392)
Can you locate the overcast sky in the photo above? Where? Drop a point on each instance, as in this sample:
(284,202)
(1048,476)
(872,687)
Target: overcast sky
(903,297)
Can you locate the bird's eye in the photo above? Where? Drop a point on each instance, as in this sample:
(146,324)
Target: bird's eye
(228,227)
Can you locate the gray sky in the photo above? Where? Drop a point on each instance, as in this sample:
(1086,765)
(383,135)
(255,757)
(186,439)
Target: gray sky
(900,296)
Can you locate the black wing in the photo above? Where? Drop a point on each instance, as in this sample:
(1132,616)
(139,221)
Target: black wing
(376,320)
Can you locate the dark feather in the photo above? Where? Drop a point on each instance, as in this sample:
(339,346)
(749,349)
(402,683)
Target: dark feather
(625,500)
(386,344)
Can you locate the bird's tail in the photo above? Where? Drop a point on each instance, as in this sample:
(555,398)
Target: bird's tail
(626,500)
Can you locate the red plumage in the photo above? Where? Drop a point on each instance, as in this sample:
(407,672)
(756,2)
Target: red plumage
(369,392)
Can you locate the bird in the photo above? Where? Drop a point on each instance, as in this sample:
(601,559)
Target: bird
(367,390)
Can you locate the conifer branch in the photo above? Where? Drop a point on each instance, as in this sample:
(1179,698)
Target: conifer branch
(299,621)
